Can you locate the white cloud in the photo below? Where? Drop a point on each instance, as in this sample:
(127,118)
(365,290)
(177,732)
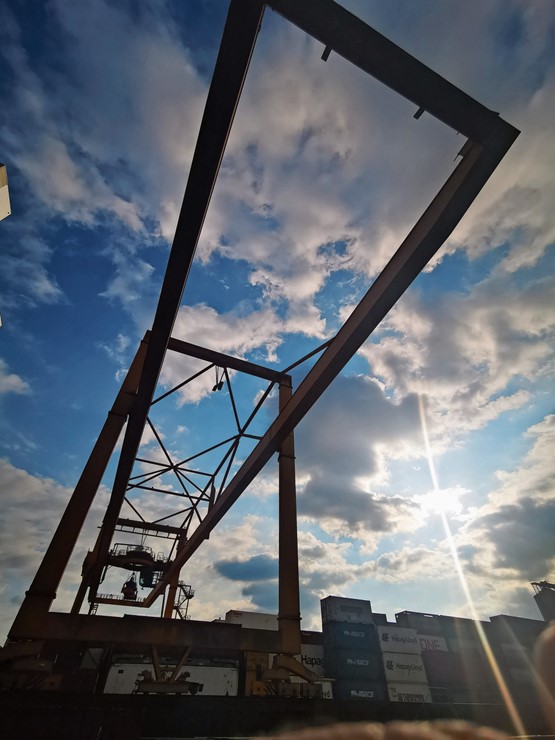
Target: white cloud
(234,333)
(11,382)
(463,351)
(31,509)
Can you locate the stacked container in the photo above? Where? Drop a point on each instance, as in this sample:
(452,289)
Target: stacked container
(404,670)
(351,651)
(516,637)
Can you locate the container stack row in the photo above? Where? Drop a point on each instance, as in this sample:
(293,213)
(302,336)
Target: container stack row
(369,659)
(424,657)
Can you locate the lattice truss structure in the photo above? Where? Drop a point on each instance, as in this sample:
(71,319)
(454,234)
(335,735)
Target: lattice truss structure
(205,488)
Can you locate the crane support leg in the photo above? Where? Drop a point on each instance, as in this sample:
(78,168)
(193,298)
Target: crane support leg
(289,615)
(42,591)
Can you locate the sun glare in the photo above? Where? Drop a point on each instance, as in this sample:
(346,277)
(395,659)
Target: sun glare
(442,501)
(437,492)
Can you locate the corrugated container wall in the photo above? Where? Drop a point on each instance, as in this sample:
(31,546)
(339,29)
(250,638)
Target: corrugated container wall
(404,668)
(424,624)
(433,642)
(339,609)
(409,692)
(398,640)
(354,665)
(349,636)
(443,669)
(362,690)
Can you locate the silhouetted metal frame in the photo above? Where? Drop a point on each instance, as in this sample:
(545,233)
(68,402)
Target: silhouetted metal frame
(489,138)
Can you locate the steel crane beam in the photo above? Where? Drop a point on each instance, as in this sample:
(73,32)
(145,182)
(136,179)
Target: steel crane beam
(489,137)
(427,236)
(241,29)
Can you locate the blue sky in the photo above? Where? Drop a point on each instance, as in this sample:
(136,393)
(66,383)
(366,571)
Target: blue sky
(324,174)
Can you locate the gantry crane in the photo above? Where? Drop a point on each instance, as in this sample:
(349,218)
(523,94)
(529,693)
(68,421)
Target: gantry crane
(488,138)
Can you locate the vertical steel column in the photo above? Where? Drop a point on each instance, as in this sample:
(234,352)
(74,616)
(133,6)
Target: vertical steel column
(42,591)
(289,614)
(172,588)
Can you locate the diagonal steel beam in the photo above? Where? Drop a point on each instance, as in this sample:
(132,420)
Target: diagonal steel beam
(427,236)
(366,48)
(240,32)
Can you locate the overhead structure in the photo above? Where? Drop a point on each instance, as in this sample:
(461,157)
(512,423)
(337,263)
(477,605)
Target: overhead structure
(544,596)
(488,138)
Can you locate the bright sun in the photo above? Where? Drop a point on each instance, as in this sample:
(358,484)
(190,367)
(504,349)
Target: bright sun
(442,501)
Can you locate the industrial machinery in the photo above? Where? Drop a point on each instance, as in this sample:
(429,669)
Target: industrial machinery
(544,596)
(205,494)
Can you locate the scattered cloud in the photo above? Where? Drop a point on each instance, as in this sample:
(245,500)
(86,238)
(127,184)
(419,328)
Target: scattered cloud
(10,382)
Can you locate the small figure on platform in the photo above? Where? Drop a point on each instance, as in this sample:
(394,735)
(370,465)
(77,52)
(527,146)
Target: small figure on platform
(129,589)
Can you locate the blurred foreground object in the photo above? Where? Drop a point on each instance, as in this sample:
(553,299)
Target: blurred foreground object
(436,730)
(545,665)
(5,208)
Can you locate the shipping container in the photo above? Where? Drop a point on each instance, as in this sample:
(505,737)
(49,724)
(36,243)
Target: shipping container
(217,680)
(409,692)
(359,690)
(443,669)
(517,630)
(432,642)
(516,656)
(458,645)
(339,609)
(398,640)
(522,676)
(349,636)
(311,637)
(252,620)
(354,664)
(311,656)
(404,668)
(460,628)
(424,624)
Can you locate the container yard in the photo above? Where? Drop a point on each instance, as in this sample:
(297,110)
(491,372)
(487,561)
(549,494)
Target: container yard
(363,670)
(126,659)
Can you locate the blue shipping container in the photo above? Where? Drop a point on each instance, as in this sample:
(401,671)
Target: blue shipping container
(349,636)
(354,665)
(359,690)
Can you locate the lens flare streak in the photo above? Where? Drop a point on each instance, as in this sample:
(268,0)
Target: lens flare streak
(503,688)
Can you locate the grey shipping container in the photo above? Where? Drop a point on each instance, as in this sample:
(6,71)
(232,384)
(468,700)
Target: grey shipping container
(517,629)
(460,628)
(395,639)
(359,690)
(349,636)
(424,624)
(339,609)
(354,664)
